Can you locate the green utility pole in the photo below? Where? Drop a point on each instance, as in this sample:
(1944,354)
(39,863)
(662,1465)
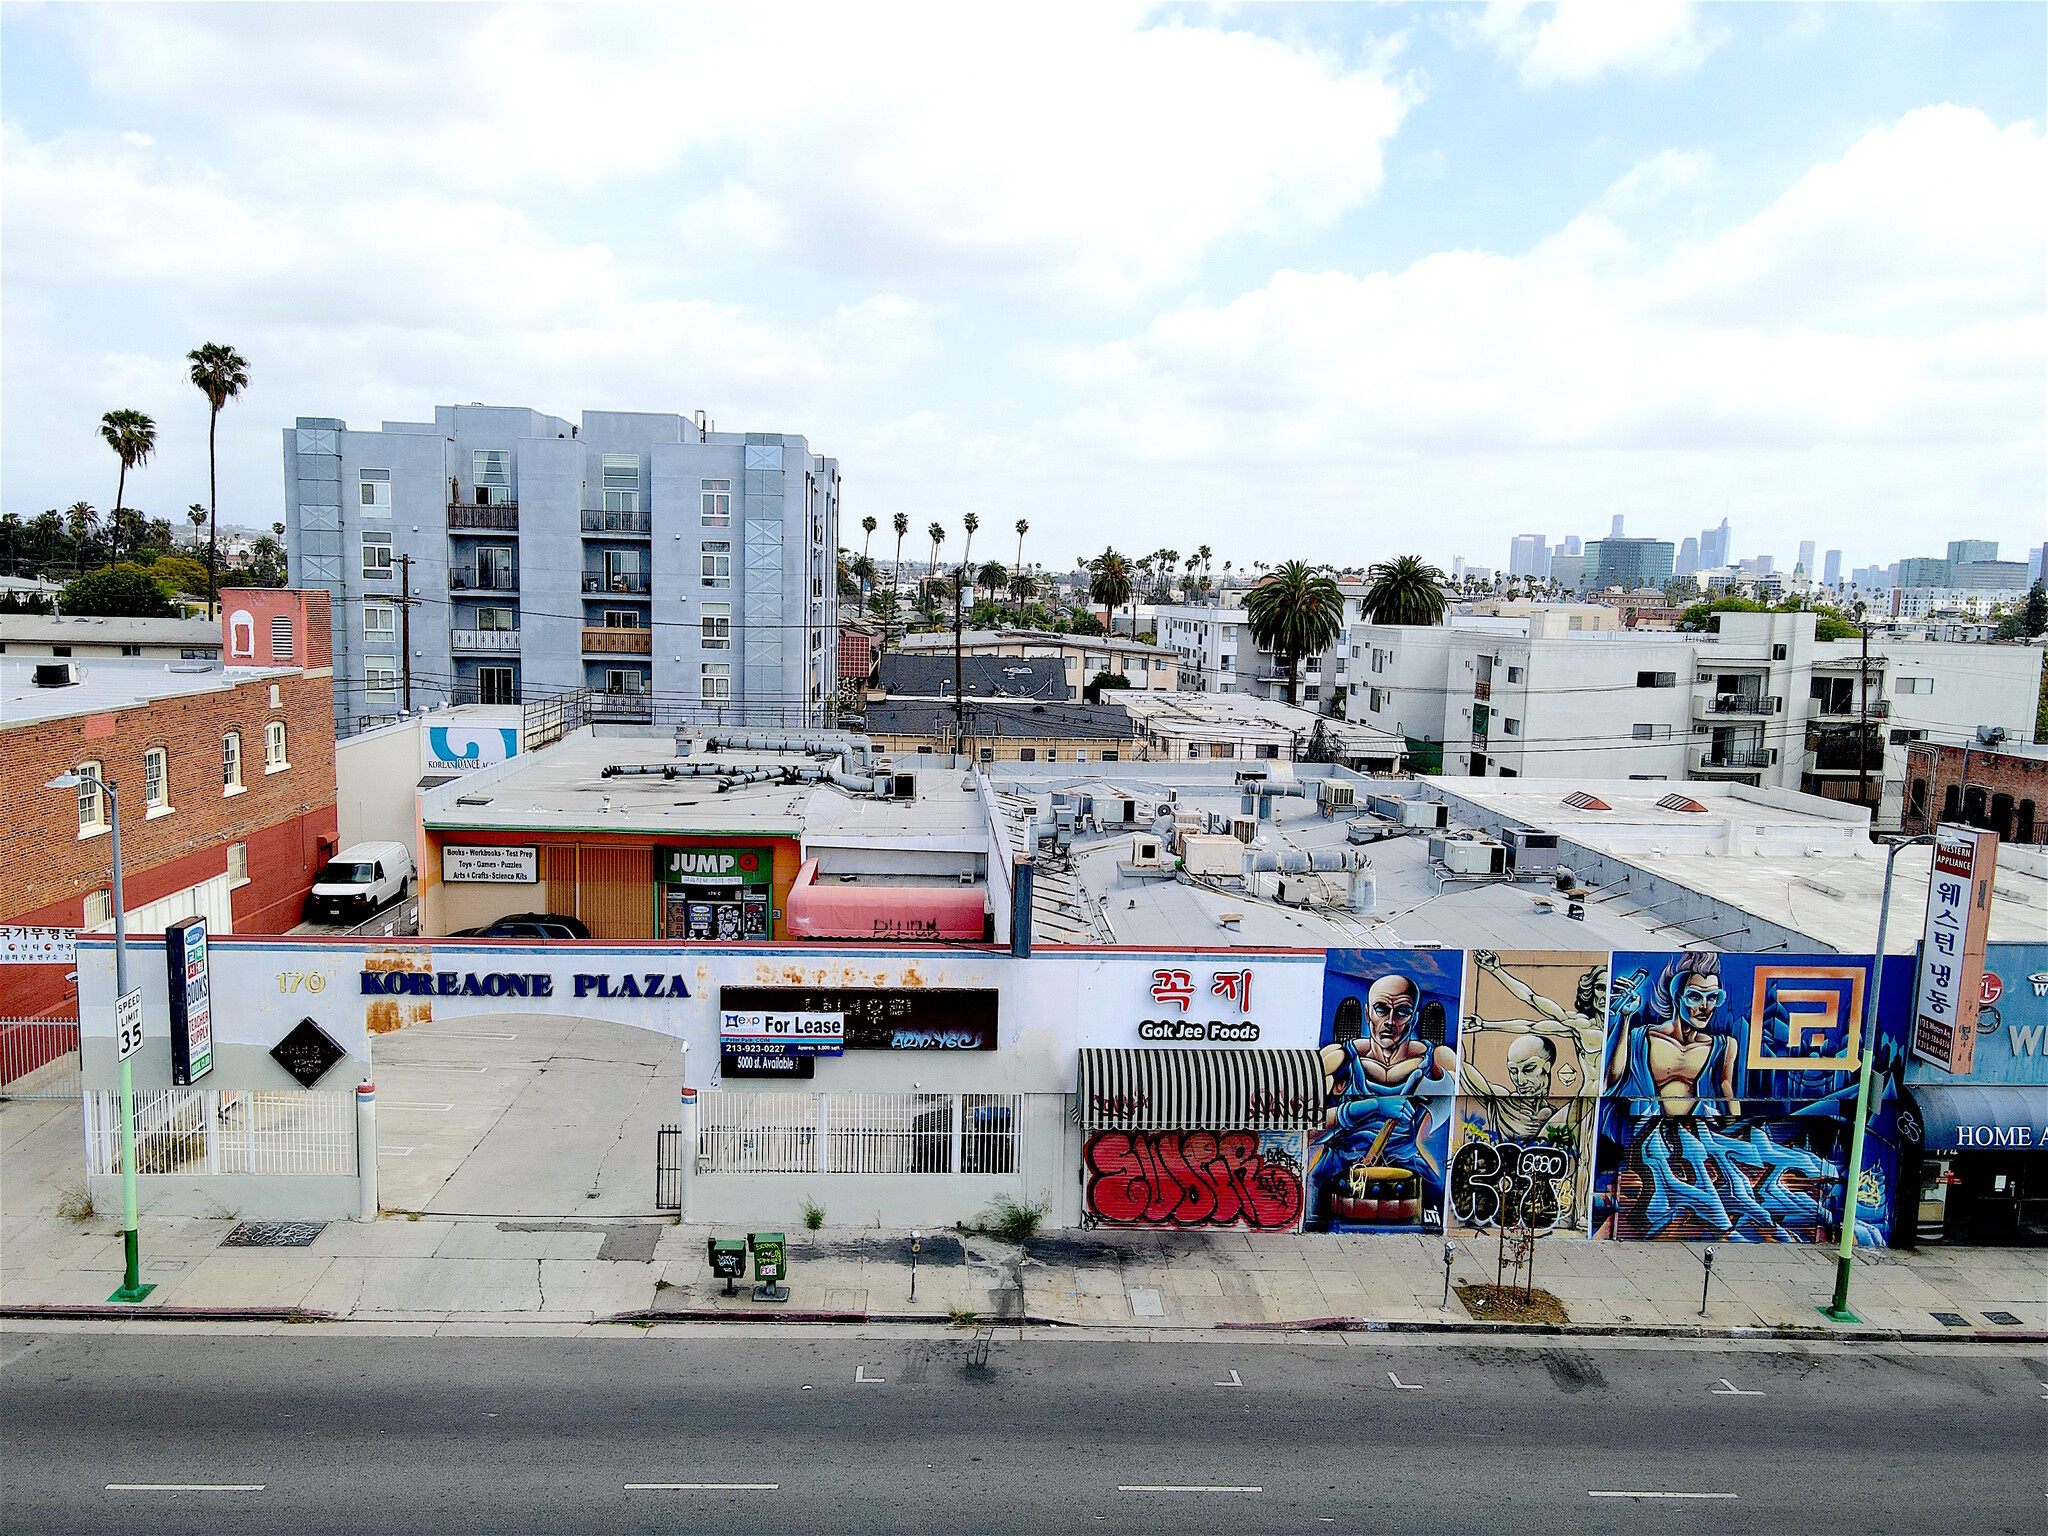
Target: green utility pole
(1838,1310)
(128,1040)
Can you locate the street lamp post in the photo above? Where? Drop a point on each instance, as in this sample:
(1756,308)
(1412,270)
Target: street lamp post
(1838,1309)
(132,1288)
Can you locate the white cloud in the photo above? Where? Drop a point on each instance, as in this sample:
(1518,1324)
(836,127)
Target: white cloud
(1575,42)
(1889,306)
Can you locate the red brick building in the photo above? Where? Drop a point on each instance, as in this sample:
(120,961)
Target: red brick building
(225,777)
(2002,792)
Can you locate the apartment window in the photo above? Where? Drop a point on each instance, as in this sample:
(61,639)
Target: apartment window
(1656,679)
(1223,749)
(1512,726)
(238,864)
(624,680)
(1024,754)
(231,763)
(1913,685)
(1194,749)
(376,557)
(273,747)
(718,626)
(622,482)
(1110,754)
(375,492)
(988,754)
(156,780)
(281,636)
(92,800)
(131,650)
(497,619)
(717,503)
(493,476)
(716,687)
(380,681)
(621,618)
(1269,750)
(1375,700)
(380,621)
(718,564)
(1514,674)
(99,908)
(1777,653)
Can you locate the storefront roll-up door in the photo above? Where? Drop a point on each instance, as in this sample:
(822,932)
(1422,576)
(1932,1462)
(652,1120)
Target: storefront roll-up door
(1197,1139)
(561,877)
(616,898)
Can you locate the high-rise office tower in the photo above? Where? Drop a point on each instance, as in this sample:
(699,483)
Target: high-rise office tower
(1615,531)
(1714,547)
(1831,568)
(1806,558)
(1529,555)
(1688,557)
(1970,551)
(1572,545)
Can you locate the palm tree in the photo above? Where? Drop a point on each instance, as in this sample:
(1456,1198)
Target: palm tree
(867,532)
(1023,587)
(1204,554)
(970,522)
(132,436)
(1295,612)
(1023,528)
(220,373)
(1404,591)
(937,531)
(80,520)
(991,576)
(197,516)
(901,523)
(1109,583)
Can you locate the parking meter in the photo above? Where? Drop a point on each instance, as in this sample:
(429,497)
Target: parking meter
(728,1260)
(916,1238)
(770,1265)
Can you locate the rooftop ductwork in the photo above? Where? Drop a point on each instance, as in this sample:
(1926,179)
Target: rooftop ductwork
(831,744)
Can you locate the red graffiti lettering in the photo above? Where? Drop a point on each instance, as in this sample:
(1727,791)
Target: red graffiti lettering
(1192,1179)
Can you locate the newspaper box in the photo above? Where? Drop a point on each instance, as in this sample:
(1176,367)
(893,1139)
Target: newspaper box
(728,1260)
(770,1265)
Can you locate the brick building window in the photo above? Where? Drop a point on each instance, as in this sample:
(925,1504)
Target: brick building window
(92,801)
(156,781)
(274,760)
(238,864)
(99,908)
(231,763)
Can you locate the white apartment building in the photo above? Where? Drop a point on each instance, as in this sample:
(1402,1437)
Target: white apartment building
(1218,654)
(1759,702)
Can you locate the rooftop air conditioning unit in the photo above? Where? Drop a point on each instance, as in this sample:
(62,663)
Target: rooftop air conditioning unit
(1244,828)
(1475,858)
(1526,849)
(1333,796)
(1424,813)
(56,674)
(1147,852)
(903,786)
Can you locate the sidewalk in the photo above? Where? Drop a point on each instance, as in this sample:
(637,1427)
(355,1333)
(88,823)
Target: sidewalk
(433,1269)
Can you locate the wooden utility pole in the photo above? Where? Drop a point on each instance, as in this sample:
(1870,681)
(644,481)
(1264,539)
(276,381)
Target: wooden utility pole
(959,667)
(1863,725)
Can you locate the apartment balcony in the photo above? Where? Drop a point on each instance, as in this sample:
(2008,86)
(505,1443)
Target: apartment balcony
(1880,709)
(464,517)
(620,708)
(618,583)
(1709,761)
(626,525)
(618,642)
(482,642)
(1754,706)
(460,580)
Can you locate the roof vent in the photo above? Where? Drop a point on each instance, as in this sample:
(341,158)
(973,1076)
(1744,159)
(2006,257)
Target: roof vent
(1681,803)
(1579,800)
(56,674)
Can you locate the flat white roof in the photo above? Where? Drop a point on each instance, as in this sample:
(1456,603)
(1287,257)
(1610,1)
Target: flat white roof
(112,682)
(42,629)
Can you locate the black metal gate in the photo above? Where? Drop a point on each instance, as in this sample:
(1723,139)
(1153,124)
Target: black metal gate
(668,1168)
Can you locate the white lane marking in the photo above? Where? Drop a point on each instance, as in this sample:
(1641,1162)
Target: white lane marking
(184,1487)
(862,1378)
(1188,1488)
(433,1066)
(1405,1386)
(1235,1381)
(1651,1494)
(425,1109)
(702,1487)
(2043,1385)
(384,1151)
(481,1034)
(1729,1389)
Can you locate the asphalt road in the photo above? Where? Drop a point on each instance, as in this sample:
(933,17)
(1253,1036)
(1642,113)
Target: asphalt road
(308,1431)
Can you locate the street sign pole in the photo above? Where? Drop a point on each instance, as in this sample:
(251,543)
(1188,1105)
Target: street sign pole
(1838,1309)
(132,1288)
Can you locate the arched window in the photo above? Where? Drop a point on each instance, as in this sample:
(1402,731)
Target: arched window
(242,634)
(274,757)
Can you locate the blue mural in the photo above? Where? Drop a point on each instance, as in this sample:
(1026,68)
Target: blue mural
(1729,1090)
(1390,1069)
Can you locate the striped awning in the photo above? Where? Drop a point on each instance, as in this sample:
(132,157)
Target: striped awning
(1192,1088)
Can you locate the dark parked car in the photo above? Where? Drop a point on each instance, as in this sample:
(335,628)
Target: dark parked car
(528,925)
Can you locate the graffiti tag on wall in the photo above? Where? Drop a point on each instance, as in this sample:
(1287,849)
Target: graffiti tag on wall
(1195,1179)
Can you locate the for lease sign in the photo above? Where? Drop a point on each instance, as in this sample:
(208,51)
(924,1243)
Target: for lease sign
(745,1030)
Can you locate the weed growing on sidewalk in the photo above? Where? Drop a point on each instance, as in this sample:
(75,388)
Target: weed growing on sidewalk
(75,1204)
(1013,1220)
(961,1317)
(814,1215)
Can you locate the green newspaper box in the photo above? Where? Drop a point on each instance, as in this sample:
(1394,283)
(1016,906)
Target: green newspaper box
(770,1265)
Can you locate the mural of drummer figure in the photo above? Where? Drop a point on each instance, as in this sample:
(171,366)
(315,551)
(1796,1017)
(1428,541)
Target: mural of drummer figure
(1390,1068)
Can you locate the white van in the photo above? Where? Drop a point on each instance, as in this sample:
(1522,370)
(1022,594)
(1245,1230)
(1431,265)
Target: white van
(358,880)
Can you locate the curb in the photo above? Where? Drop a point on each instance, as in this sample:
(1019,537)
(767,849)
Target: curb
(106,1312)
(1644,1331)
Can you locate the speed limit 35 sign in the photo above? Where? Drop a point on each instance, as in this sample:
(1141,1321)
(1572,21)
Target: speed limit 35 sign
(128,1023)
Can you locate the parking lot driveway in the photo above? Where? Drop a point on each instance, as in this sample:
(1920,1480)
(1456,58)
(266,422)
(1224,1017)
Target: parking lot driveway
(522,1116)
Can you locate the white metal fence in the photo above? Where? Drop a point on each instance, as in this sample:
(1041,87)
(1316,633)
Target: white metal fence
(858,1132)
(209,1131)
(39,1059)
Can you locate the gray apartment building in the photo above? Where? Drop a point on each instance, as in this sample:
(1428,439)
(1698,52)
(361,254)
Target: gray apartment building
(680,573)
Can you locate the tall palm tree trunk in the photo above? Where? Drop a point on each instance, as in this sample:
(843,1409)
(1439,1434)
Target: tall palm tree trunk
(114,522)
(212,518)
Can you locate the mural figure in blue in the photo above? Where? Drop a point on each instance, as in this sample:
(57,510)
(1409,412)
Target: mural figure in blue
(1390,1068)
(1730,1091)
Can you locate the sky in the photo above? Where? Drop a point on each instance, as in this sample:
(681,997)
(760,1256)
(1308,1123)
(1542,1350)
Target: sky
(1326,282)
